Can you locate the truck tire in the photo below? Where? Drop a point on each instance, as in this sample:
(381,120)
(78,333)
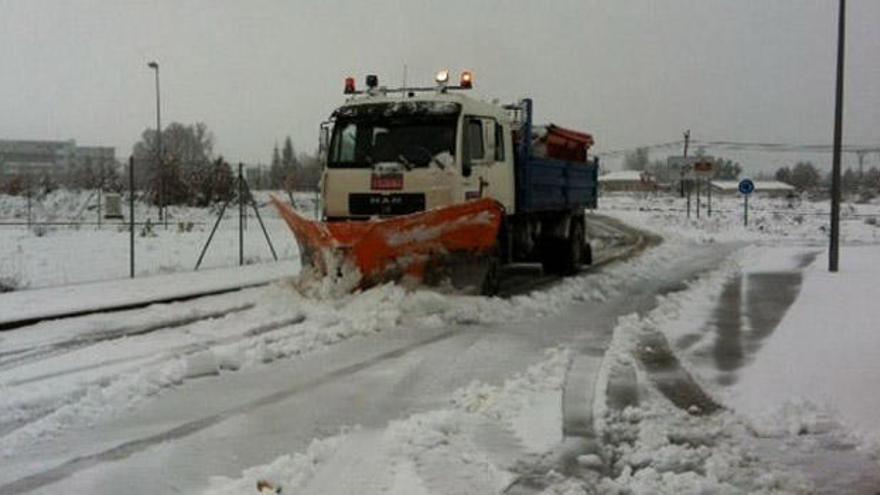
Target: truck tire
(492,281)
(551,249)
(587,257)
(572,251)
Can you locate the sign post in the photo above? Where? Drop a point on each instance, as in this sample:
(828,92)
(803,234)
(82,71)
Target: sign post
(703,169)
(709,196)
(746,188)
(694,170)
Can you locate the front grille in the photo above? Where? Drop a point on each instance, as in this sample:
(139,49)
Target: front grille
(385,204)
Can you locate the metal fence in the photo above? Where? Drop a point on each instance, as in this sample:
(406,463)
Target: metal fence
(66,236)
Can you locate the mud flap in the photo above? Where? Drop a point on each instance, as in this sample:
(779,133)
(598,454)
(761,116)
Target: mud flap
(449,243)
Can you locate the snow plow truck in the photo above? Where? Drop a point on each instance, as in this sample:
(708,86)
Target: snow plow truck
(433,186)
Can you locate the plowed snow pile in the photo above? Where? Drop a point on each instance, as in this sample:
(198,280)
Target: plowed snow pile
(471,447)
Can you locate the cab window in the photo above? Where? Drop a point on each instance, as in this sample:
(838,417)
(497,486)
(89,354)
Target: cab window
(476,149)
(499,142)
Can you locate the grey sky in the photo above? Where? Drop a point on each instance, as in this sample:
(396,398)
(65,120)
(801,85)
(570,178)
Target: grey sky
(632,72)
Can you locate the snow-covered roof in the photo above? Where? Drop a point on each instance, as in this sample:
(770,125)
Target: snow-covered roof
(760,185)
(622,175)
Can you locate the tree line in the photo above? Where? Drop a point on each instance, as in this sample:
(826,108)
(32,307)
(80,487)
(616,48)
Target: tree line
(804,176)
(191,173)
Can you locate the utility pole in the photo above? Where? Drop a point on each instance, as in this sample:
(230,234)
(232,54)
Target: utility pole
(163,215)
(687,139)
(834,248)
(131,214)
(240,214)
(709,196)
(29,200)
(861,156)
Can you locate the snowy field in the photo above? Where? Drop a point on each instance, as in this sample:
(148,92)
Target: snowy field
(54,255)
(438,393)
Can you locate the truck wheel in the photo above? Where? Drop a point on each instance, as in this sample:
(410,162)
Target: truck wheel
(587,257)
(573,250)
(550,253)
(492,280)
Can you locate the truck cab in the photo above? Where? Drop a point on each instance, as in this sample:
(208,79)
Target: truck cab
(393,154)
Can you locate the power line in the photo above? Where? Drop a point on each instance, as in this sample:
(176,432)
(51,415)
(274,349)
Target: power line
(788,147)
(671,144)
(751,146)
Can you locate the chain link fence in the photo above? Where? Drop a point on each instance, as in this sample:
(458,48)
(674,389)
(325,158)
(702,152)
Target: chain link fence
(69,236)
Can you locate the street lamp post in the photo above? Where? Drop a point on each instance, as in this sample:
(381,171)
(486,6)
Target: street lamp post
(162,214)
(834,247)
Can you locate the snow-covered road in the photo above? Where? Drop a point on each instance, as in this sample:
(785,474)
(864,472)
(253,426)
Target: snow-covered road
(418,392)
(173,423)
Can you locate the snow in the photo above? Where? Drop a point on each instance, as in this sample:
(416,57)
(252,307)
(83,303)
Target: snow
(423,233)
(476,438)
(656,447)
(92,383)
(64,300)
(801,391)
(622,175)
(772,221)
(833,323)
(801,396)
(48,256)
(760,186)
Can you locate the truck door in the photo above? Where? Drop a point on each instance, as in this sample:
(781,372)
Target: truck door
(486,172)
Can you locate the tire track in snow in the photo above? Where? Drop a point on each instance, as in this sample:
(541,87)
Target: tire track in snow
(54,349)
(121,451)
(47,407)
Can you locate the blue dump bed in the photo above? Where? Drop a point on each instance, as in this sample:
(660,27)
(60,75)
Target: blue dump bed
(548,184)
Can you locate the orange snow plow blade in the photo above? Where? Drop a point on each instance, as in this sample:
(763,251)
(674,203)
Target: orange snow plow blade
(428,246)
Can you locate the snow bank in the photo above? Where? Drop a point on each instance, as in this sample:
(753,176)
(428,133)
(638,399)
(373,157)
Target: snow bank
(659,448)
(285,471)
(477,439)
(770,220)
(826,351)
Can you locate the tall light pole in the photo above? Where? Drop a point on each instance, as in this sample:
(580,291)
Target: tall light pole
(834,248)
(162,214)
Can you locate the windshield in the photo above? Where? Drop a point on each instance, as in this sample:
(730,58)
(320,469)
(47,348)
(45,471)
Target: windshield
(412,135)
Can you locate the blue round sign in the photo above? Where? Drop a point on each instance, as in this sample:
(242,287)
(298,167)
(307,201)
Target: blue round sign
(746,186)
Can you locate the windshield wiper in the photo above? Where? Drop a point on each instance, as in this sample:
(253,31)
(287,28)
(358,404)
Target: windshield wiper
(408,165)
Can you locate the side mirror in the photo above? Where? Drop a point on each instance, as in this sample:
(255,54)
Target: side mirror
(466,167)
(324,139)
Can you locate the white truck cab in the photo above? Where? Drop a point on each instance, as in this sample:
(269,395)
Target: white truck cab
(394,152)
(390,152)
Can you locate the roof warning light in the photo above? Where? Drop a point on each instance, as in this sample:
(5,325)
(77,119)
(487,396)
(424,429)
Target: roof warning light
(467,80)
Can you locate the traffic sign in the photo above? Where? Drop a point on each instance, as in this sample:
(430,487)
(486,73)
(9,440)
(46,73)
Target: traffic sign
(746,186)
(693,167)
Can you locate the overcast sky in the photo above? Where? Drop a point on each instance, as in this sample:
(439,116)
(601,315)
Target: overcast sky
(631,72)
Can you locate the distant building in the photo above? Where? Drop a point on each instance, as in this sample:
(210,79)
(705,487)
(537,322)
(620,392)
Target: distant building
(95,156)
(627,180)
(19,158)
(772,188)
(37,158)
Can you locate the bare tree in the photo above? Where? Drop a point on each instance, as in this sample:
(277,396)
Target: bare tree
(805,176)
(637,159)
